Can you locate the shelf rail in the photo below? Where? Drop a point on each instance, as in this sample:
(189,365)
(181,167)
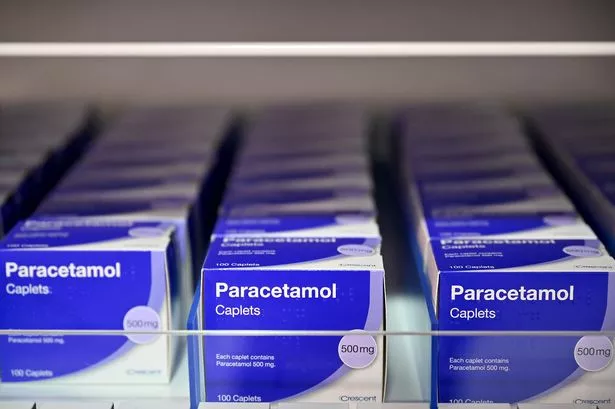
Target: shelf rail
(307,49)
(297,333)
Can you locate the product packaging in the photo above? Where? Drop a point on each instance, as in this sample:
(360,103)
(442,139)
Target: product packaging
(301,283)
(88,274)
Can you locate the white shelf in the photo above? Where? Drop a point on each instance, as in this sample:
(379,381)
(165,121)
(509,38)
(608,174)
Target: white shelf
(270,51)
(310,49)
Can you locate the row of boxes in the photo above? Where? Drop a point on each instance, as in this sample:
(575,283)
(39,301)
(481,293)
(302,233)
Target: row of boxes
(296,247)
(37,143)
(114,246)
(502,248)
(579,144)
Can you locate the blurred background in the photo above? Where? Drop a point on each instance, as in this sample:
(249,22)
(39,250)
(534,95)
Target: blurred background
(260,80)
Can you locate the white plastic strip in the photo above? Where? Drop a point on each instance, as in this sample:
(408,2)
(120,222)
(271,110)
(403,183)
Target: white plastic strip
(298,333)
(17,404)
(310,49)
(74,404)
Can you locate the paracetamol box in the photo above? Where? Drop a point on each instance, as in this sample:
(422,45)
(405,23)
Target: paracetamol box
(309,207)
(547,216)
(518,221)
(172,122)
(441,199)
(475,186)
(595,168)
(487,172)
(349,182)
(466,154)
(267,172)
(123,147)
(257,148)
(324,213)
(202,179)
(527,285)
(78,183)
(524,202)
(293,164)
(177,211)
(300,225)
(273,122)
(469,169)
(82,173)
(196,160)
(591,148)
(237,197)
(149,158)
(323,173)
(290,284)
(546,225)
(540,203)
(88,275)
(188,190)
(459,147)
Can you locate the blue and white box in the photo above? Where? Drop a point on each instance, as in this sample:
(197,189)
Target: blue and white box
(93,171)
(277,284)
(259,148)
(481,185)
(238,197)
(150,157)
(105,181)
(523,285)
(547,217)
(179,212)
(533,224)
(535,202)
(335,206)
(187,190)
(461,147)
(86,274)
(324,173)
(320,213)
(178,123)
(262,167)
(343,182)
(471,168)
(107,147)
(300,225)
(529,205)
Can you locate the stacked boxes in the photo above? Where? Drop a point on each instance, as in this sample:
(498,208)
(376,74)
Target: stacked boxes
(502,248)
(156,164)
(154,170)
(302,173)
(296,247)
(579,144)
(37,144)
